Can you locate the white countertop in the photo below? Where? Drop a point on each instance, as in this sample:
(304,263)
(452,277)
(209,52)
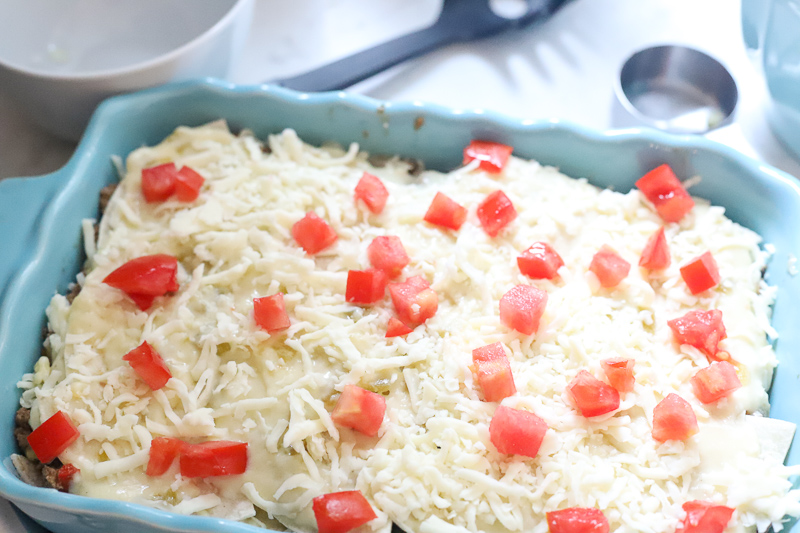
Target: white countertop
(565,68)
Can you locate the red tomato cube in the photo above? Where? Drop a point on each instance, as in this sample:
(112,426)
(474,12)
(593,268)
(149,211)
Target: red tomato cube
(65,476)
(577,520)
(270,313)
(701,273)
(673,419)
(395,328)
(666,193)
(495,212)
(359,409)
(446,213)
(149,365)
(705,517)
(365,286)
(149,275)
(371,190)
(522,307)
(609,267)
(494,372)
(513,431)
(339,512)
(414,301)
(540,261)
(655,255)
(492,156)
(388,254)
(702,329)
(188,183)
(313,234)
(163,452)
(214,458)
(52,437)
(718,380)
(619,373)
(592,397)
(158,183)
(142,301)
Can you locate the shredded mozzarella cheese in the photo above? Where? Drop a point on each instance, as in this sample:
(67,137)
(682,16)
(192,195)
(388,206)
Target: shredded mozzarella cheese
(432,468)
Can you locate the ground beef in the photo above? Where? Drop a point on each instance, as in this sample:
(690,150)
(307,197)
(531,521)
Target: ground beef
(23,418)
(105,197)
(74,290)
(51,476)
(22,429)
(21,434)
(415,166)
(30,469)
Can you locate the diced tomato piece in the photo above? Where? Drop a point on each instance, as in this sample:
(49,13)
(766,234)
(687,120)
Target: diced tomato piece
(158,183)
(445,212)
(414,301)
(163,452)
(609,267)
(339,512)
(715,381)
(494,372)
(701,329)
(522,307)
(592,397)
(395,328)
(705,517)
(619,373)
(577,520)
(495,212)
(270,313)
(540,261)
(372,192)
(214,458)
(673,419)
(388,254)
(517,432)
(162,181)
(149,275)
(359,409)
(188,183)
(313,234)
(655,255)
(418,282)
(149,364)
(52,437)
(701,273)
(142,301)
(666,193)
(65,476)
(492,156)
(365,286)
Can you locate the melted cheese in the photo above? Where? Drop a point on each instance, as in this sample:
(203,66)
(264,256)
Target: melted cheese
(432,468)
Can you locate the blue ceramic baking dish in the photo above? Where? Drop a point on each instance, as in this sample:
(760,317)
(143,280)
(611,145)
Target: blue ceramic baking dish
(40,220)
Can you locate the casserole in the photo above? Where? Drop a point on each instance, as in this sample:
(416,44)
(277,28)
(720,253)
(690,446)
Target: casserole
(42,218)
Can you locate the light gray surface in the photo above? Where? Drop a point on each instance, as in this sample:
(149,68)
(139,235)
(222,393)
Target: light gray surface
(566,68)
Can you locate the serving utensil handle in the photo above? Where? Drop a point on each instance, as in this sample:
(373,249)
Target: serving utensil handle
(362,65)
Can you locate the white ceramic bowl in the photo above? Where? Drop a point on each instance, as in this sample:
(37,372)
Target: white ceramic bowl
(60,58)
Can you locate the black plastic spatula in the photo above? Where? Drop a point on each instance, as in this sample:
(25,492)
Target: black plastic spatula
(459,21)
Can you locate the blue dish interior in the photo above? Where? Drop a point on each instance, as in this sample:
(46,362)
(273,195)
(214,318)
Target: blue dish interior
(40,221)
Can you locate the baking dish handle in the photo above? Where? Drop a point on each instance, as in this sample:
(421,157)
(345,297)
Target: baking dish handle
(22,202)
